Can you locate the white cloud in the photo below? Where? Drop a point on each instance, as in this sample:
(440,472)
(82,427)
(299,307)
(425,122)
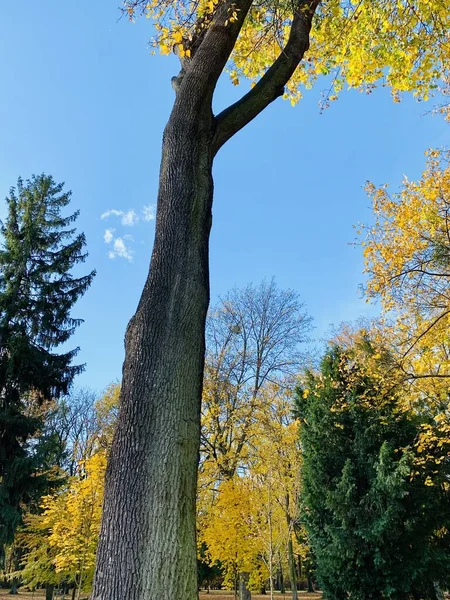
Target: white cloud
(148,212)
(120,249)
(108,236)
(121,246)
(128,218)
(111,212)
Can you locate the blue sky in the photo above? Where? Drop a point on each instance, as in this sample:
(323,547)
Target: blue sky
(84,101)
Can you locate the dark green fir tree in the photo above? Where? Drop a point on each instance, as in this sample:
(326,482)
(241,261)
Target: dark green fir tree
(40,248)
(377,530)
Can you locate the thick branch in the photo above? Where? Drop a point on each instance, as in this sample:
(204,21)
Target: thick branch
(271,85)
(200,73)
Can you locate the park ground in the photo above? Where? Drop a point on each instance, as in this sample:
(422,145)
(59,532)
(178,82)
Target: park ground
(203,596)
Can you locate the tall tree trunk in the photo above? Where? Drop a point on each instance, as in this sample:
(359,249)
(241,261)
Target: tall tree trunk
(49,591)
(63,590)
(300,569)
(244,592)
(292,570)
(269,522)
(147,547)
(291,557)
(14,585)
(280,578)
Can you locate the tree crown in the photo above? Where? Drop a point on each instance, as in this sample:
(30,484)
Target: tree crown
(401,44)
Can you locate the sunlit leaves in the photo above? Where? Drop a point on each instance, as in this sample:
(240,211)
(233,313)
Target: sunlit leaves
(360,43)
(407,257)
(60,543)
(246,522)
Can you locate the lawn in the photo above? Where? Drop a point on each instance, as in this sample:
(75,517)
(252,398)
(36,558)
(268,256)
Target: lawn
(203,596)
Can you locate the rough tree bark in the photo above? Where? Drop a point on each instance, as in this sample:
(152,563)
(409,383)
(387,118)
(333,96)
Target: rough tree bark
(148,526)
(147,548)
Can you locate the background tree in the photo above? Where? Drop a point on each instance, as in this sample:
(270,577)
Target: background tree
(367,507)
(106,413)
(58,542)
(262,494)
(149,517)
(37,293)
(70,431)
(208,575)
(254,339)
(269,507)
(70,423)
(277,465)
(230,532)
(407,258)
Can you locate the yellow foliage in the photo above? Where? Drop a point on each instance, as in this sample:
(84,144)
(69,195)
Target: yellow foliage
(230,530)
(406,255)
(246,521)
(61,542)
(106,410)
(407,259)
(402,44)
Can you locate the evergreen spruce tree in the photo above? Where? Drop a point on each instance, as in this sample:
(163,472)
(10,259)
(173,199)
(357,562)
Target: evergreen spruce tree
(377,528)
(37,291)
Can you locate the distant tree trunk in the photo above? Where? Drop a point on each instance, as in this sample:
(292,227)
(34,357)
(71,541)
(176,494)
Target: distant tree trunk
(292,570)
(310,585)
(14,586)
(269,523)
(74,592)
(244,593)
(49,592)
(280,579)
(291,557)
(438,591)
